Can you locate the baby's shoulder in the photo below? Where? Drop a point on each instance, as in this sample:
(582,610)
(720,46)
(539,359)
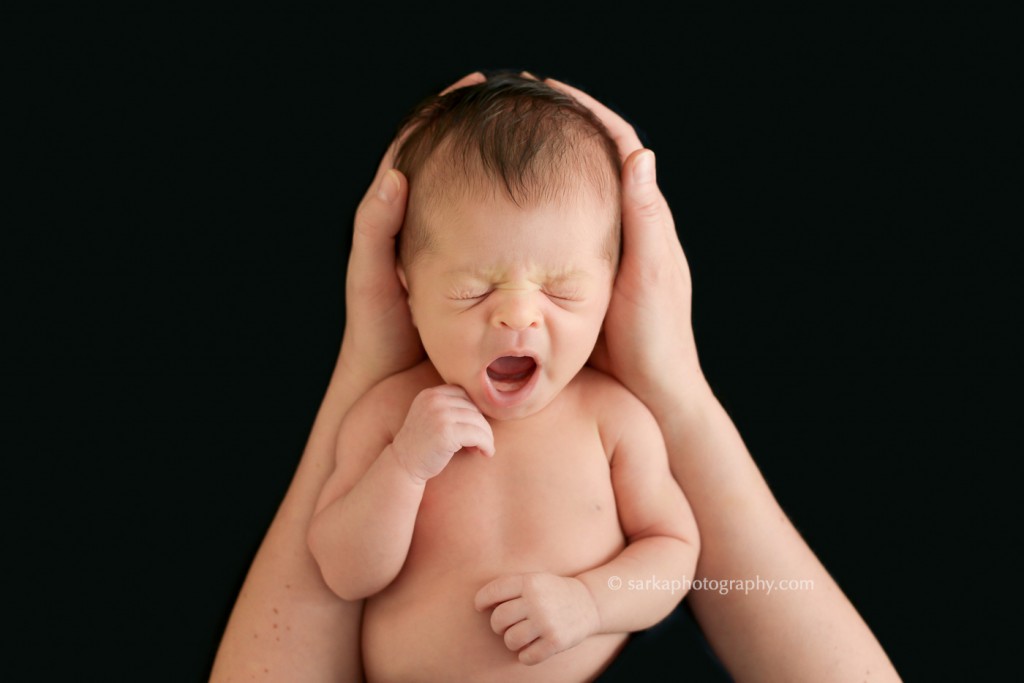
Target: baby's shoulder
(606,398)
(389,399)
(615,409)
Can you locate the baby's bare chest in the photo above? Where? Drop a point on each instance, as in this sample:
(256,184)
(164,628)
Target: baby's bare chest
(545,496)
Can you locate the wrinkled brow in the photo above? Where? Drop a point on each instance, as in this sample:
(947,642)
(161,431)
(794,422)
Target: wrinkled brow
(485,273)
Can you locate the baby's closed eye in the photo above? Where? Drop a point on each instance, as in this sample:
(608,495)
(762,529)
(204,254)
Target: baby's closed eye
(564,292)
(469,293)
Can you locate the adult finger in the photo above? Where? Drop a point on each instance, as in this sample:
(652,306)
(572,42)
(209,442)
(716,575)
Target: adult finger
(622,133)
(647,222)
(468,79)
(387,161)
(378,219)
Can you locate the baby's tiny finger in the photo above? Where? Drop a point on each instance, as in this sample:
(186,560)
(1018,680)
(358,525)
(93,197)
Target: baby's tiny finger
(499,590)
(520,635)
(537,651)
(456,393)
(508,613)
(472,435)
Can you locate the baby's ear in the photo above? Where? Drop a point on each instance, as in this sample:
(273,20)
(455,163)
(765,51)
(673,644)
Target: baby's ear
(400,271)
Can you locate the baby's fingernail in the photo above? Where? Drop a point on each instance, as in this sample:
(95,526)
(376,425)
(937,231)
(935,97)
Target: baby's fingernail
(643,169)
(388,188)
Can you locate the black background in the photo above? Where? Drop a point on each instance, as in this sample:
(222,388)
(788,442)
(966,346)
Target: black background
(185,189)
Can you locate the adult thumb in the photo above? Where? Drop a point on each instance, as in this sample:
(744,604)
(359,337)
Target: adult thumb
(377,222)
(645,216)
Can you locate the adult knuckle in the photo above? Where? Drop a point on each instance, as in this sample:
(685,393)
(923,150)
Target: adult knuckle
(365,222)
(650,209)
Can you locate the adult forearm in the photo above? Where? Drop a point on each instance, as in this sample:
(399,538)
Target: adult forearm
(286,623)
(809,634)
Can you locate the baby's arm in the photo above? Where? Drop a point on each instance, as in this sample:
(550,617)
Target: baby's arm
(641,586)
(364,519)
(541,614)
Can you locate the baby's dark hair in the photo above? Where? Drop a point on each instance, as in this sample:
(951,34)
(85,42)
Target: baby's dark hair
(510,133)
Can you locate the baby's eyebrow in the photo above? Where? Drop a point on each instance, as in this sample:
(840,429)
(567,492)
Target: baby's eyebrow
(480,273)
(567,275)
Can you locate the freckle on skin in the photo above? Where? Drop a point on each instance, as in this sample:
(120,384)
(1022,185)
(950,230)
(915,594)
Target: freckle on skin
(275,625)
(275,610)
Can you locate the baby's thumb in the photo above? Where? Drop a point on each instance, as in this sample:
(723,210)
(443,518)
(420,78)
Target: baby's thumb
(643,207)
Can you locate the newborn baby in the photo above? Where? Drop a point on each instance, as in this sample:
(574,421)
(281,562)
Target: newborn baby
(503,508)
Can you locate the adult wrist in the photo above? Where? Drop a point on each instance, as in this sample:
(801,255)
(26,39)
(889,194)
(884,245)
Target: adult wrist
(679,392)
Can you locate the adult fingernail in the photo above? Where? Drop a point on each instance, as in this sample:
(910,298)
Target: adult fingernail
(643,169)
(388,188)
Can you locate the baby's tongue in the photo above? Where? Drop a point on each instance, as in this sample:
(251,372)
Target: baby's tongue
(509,367)
(511,373)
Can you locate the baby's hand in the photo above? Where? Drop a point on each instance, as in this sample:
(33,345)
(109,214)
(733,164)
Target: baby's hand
(539,614)
(441,421)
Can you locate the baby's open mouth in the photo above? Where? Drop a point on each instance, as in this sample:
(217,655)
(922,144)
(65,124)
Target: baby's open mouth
(511,373)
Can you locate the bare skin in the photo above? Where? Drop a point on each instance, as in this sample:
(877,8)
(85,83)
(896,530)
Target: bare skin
(288,625)
(482,515)
(506,574)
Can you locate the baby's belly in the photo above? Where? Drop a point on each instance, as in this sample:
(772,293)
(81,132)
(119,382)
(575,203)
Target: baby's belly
(480,520)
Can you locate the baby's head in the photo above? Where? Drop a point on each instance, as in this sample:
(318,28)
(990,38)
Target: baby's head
(511,238)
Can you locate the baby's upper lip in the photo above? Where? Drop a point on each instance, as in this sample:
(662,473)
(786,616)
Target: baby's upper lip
(516,352)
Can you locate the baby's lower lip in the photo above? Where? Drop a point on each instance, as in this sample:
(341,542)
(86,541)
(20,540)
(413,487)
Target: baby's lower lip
(511,381)
(506,390)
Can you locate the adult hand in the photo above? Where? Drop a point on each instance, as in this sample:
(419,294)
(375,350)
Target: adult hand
(813,635)
(647,341)
(379,338)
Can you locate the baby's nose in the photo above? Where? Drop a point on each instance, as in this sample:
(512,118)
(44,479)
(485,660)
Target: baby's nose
(516,311)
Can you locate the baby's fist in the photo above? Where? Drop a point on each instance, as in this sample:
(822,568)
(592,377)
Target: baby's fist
(441,421)
(539,614)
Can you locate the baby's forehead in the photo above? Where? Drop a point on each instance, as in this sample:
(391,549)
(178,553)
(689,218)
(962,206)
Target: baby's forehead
(449,201)
(552,268)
